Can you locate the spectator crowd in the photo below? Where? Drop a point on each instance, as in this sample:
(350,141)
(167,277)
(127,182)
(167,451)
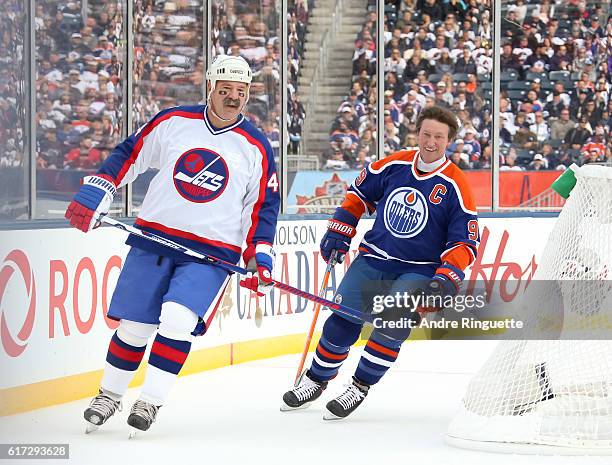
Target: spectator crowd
(555,103)
(79,82)
(555,82)
(80,68)
(251,29)
(12,84)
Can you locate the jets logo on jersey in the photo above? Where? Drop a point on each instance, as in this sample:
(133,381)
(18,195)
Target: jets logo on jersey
(200,175)
(405,212)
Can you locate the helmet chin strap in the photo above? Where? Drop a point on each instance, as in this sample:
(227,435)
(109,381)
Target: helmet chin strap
(217,115)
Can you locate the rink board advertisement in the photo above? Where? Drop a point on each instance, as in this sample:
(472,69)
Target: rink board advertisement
(56,286)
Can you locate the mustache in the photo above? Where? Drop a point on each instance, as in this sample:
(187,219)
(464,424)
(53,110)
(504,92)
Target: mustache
(232,101)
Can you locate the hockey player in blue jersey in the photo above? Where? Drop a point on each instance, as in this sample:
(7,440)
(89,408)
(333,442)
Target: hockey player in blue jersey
(216,189)
(426,229)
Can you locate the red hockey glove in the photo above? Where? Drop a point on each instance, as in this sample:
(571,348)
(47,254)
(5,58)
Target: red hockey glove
(93,200)
(260,262)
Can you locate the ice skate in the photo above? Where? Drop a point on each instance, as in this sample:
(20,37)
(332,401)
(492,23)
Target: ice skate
(303,395)
(142,416)
(343,405)
(100,409)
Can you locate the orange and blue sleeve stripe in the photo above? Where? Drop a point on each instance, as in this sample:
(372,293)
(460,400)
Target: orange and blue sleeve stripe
(463,238)
(356,205)
(460,255)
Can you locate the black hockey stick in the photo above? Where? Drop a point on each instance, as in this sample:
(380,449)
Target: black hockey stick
(232,268)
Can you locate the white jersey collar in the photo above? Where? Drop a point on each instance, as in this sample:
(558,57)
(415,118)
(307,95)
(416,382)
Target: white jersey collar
(429,167)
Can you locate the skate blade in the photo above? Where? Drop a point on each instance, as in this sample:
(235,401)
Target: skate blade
(330,416)
(90,427)
(286,408)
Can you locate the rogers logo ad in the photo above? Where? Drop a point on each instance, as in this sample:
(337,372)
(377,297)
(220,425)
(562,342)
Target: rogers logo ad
(17,266)
(88,289)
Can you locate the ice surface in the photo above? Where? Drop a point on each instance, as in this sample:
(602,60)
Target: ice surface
(231,416)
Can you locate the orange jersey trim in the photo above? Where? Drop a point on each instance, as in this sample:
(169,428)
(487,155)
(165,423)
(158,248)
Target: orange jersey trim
(403,155)
(461,256)
(465,192)
(354,205)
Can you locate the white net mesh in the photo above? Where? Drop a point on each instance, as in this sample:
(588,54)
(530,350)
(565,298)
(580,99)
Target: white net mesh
(556,395)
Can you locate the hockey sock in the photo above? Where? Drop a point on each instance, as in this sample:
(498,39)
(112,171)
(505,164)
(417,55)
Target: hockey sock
(378,356)
(165,362)
(122,361)
(338,336)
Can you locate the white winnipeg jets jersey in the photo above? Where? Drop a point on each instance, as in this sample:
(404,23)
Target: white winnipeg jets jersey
(215,189)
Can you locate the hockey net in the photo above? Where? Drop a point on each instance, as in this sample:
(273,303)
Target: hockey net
(555,396)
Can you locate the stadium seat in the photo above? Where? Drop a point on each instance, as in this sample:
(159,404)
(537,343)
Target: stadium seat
(486,85)
(484,78)
(563,33)
(389,7)
(524,156)
(559,75)
(546,85)
(509,75)
(460,77)
(533,76)
(435,78)
(519,85)
(555,143)
(391,13)
(569,88)
(516,94)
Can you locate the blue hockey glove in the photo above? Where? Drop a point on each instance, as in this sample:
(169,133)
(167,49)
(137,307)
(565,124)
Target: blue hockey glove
(340,231)
(447,280)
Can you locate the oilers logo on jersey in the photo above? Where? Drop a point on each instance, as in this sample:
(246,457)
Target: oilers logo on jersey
(200,175)
(405,212)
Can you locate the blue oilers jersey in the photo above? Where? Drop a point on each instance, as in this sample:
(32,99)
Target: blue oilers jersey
(422,219)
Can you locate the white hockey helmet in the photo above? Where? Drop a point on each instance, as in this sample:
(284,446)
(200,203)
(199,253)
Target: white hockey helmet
(229,68)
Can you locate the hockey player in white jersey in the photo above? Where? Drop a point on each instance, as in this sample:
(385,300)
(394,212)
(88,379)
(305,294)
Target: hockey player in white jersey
(216,189)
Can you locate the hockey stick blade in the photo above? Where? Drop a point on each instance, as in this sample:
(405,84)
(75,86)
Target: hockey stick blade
(339,308)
